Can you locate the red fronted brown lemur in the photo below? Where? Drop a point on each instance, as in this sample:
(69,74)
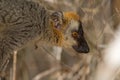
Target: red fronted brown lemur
(24,21)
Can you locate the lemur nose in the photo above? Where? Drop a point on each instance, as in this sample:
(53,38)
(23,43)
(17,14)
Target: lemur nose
(82,48)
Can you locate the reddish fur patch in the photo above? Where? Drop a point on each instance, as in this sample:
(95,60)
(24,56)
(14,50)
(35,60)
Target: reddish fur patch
(71,15)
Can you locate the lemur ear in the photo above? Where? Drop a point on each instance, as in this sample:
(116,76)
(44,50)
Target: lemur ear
(57,14)
(57,18)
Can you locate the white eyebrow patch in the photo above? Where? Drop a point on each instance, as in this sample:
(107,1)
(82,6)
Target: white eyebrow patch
(73,25)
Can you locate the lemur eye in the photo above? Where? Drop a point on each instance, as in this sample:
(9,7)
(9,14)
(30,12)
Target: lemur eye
(75,34)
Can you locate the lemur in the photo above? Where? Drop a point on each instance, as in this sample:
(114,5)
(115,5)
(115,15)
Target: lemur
(24,21)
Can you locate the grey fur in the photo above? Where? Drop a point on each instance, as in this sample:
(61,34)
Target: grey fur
(21,21)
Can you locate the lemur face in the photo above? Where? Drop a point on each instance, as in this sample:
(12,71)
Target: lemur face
(70,26)
(78,35)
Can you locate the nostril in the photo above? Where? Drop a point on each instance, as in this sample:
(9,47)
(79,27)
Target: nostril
(87,50)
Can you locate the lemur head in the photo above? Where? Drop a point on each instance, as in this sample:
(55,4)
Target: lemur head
(68,28)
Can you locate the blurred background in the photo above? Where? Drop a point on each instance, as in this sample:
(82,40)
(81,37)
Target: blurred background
(100,20)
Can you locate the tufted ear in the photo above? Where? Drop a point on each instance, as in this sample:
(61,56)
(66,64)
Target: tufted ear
(56,16)
(57,19)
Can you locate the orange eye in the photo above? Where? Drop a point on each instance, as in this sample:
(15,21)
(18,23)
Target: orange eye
(75,34)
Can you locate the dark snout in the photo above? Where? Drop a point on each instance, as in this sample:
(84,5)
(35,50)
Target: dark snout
(82,47)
